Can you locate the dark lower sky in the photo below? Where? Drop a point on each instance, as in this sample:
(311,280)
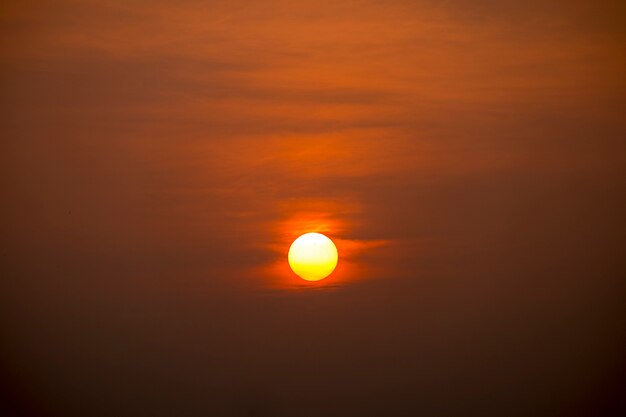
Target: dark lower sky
(157,158)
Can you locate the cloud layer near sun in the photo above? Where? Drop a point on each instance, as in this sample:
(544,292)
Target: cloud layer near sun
(193,127)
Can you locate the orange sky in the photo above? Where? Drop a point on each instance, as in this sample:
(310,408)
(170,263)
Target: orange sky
(165,154)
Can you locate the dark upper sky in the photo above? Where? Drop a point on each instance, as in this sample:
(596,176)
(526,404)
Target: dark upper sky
(157,158)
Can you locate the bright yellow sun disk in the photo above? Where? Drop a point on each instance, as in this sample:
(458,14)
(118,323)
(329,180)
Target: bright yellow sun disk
(313,256)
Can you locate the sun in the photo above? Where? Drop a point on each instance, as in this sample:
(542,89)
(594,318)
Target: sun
(313,256)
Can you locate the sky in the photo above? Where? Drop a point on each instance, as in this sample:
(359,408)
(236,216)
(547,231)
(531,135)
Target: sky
(157,159)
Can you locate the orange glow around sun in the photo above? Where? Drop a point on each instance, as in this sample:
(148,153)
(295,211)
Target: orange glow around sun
(313,256)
